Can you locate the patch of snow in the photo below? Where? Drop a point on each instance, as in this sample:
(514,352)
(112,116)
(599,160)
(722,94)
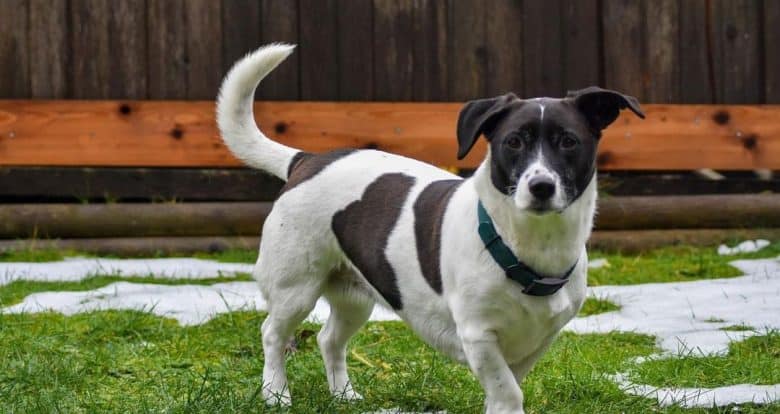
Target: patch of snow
(688,316)
(598,263)
(702,397)
(687,319)
(748,246)
(188,304)
(76,269)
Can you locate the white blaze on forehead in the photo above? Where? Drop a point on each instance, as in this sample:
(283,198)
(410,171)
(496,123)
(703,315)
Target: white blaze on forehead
(541,114)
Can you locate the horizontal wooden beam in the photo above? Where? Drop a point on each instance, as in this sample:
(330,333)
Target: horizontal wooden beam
(111,184)
(246,218)
(625,241)
(183,134)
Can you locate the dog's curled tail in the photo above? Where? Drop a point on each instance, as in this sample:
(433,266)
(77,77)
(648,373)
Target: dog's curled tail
(235,116)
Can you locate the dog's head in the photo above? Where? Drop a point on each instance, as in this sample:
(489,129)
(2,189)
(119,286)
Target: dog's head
(543,150)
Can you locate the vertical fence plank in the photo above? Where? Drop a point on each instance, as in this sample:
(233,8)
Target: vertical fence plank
(241,21)
(581,60)
(506,49)
(737,59)
(48,37)
(355,50)
(772,51)
(542,65)
(319,50)
(661,65)
(430,51)
(280,24)
(696,85)
(127,45)
(204,48)
(467,52)
(622,34)
(91,57)
(14,69)
(393,43)
(167,53)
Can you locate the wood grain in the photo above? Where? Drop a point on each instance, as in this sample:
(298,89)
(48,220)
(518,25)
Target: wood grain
(319,50)
(181,134)
(622,33)
(280,24)
(355,49)
(127,43)
(771,51)
(246,218)
(506,50)
(696,72)
(91,63)
(737,52)
(581,61)
(14,68)
(241,22)
(430,51)
(467,50)
(49,49)
(167,47)
(394,46)
(661,69)
(542,65)
(204,48)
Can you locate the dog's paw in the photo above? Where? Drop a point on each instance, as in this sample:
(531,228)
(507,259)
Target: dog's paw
(277,398)
(347,395)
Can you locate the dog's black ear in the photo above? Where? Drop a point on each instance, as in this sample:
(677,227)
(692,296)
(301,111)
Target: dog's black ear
(479,117)
(602,106)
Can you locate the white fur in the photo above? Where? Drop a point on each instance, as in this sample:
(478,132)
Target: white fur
(522,194)
(235,116)
(481,318)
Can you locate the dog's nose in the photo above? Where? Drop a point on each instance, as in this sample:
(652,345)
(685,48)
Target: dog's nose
(541,187)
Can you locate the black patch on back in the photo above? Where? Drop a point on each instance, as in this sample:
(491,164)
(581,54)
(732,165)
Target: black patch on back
(305,166)
(363,228)
(429,211)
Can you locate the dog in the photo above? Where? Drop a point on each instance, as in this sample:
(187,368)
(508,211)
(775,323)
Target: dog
(486,270)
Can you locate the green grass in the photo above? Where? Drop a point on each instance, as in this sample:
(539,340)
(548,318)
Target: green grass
(50,255)
(16,291)
(672,264)
(594,306)
(109,361)
(112,361)
(755,360)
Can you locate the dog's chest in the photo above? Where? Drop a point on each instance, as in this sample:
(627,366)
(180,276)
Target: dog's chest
(529,322)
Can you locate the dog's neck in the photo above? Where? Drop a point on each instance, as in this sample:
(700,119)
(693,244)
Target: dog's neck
(549,243)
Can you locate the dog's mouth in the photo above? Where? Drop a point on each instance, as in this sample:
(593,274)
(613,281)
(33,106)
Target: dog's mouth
(541,208)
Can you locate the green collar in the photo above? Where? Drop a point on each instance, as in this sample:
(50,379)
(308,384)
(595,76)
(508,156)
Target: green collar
(534,283)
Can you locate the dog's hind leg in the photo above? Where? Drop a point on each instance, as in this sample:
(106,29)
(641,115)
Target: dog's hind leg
(290,297)
(349,310)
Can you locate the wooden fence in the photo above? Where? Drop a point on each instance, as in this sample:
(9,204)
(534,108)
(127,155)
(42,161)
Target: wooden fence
(184,134)
(663,51)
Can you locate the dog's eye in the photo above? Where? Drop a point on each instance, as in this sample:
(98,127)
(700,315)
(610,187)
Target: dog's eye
(514,141)
(568,142)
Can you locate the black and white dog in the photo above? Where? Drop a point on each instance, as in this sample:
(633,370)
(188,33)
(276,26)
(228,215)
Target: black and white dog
(487,270)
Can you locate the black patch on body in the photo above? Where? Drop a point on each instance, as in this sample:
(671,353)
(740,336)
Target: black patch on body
(429,211)
(363,228)
(305,166)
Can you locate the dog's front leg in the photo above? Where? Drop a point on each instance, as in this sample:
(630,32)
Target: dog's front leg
(489,366)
